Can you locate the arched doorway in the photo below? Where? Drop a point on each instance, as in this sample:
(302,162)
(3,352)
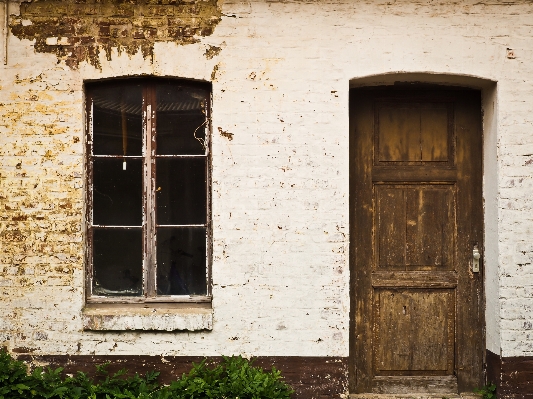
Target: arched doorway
(416,225)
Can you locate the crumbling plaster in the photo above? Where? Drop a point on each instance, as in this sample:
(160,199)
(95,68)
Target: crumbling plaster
(77,31)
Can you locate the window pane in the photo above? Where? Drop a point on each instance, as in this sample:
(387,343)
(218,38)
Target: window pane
(181,190)
(117,193)
(117,120)
(117,262)
(181,261)
(181,120)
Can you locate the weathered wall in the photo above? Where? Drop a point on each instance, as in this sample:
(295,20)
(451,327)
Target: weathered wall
(77,31)
(281,73)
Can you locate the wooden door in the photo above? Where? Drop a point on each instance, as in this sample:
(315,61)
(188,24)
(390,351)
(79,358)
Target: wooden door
(416,216)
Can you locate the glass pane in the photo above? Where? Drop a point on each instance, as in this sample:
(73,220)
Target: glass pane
(117,120)
(181,120)
(181,261)
(117,262)
(117,193)
(181,190)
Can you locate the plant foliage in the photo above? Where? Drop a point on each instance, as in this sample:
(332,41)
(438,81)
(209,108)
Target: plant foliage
(234,378)
(487,392)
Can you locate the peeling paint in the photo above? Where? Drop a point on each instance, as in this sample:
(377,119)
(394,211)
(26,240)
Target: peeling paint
(225,134)
(77,31)
(214,73)
(212,51)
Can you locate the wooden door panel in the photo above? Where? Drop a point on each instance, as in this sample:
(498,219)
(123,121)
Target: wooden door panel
(415,226)
(416,212)
(435,133)
(399,134)
(414,332)
(415,132)
(430,226)
(391,232)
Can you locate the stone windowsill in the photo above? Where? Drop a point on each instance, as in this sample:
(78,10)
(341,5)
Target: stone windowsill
(151,317)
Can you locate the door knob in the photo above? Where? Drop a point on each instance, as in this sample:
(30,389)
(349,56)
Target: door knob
(475,259)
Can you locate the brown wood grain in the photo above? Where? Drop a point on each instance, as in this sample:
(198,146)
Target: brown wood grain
(416,279)
(410,133)
(415,226)
(362,214)
(383,173)
(470,318)
(390,227)
(398,134)
(434,133)
(414,332)
(429,227)
(406,385)
(416,213)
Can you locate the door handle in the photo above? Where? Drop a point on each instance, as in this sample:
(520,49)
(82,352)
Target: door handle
(475,259)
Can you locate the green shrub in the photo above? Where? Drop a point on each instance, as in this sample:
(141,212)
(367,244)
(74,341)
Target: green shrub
(234,378)
(14,379)
(487,392)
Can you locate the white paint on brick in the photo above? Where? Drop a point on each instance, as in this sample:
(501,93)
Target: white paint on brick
(280,187)
(147,319)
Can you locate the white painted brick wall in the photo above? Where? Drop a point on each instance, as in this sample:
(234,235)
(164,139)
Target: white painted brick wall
(280,187)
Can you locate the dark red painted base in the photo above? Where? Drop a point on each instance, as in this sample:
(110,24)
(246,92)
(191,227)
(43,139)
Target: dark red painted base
(513,376)
(311,377)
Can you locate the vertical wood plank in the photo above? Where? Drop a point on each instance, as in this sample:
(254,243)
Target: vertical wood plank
(399,134)
(434,133)
(414,332)
(429,227)
(391,227)
(470,343)
(361,218)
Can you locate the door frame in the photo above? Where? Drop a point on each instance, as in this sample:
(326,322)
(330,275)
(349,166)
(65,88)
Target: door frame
(353,274)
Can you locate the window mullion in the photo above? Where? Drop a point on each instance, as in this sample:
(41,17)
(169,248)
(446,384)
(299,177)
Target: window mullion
(208,195)
(89,194)
(149,192)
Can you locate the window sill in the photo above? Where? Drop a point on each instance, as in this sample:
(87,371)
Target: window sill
(147,317)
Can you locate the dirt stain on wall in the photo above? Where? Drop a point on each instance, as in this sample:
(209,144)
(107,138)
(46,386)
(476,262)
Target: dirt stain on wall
(77,30)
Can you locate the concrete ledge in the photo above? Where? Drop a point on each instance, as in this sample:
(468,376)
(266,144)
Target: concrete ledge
(147,318)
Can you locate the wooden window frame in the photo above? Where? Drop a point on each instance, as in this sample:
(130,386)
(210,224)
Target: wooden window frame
(149,225)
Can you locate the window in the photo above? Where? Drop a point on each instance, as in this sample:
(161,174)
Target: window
(148,191)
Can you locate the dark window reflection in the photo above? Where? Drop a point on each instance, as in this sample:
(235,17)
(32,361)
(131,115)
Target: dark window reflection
(181,120)
(117,193)
(117,262)
(117,120)
(181,261)
(181,190)
(119,187)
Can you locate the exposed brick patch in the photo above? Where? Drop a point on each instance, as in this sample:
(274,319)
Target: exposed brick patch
(212,51)
(76,31)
